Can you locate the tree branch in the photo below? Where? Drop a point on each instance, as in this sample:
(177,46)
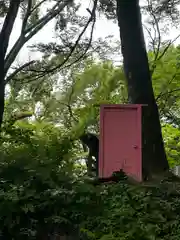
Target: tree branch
(12,75)
(169,92)
(19,116)
(8,25)
(20,42)
(156,30)
(37,5)
(161,94)
(53,12)
(32,31)
(167,47)
(91,19)
(28,13)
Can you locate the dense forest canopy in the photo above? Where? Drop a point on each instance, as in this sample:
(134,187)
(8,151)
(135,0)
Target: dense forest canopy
(50,94)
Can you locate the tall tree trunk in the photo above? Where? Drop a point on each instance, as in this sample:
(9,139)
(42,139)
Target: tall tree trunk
(140,90)
(2,88)
(4,42)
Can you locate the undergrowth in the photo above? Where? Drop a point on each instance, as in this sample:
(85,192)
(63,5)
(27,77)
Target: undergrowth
(42,193)
(138,212)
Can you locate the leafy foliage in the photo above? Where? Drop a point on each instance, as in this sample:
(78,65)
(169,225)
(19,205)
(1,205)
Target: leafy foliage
(133,212)
(44,193)
(38,182)
(172,143)
(75,102)
(44,189)
(166,81)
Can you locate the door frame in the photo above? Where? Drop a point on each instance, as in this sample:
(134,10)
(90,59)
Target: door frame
(103,109)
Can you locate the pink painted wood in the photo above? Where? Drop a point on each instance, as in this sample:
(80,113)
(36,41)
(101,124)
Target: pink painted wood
(120,140)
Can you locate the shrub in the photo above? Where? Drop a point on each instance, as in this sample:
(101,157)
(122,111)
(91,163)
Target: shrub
(38,183)
(42,192)
(137,213)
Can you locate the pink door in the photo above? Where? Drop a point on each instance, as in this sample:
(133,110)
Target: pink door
(120,140)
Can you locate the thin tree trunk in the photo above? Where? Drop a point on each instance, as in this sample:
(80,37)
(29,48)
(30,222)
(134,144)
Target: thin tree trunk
(139,84)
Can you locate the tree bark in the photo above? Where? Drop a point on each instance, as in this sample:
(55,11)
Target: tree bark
(2,88)
(4,42)
(139,84)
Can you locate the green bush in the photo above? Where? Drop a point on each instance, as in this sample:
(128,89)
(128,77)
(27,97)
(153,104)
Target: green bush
(39,191)
(137,213)
(172,144)
(42,192)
